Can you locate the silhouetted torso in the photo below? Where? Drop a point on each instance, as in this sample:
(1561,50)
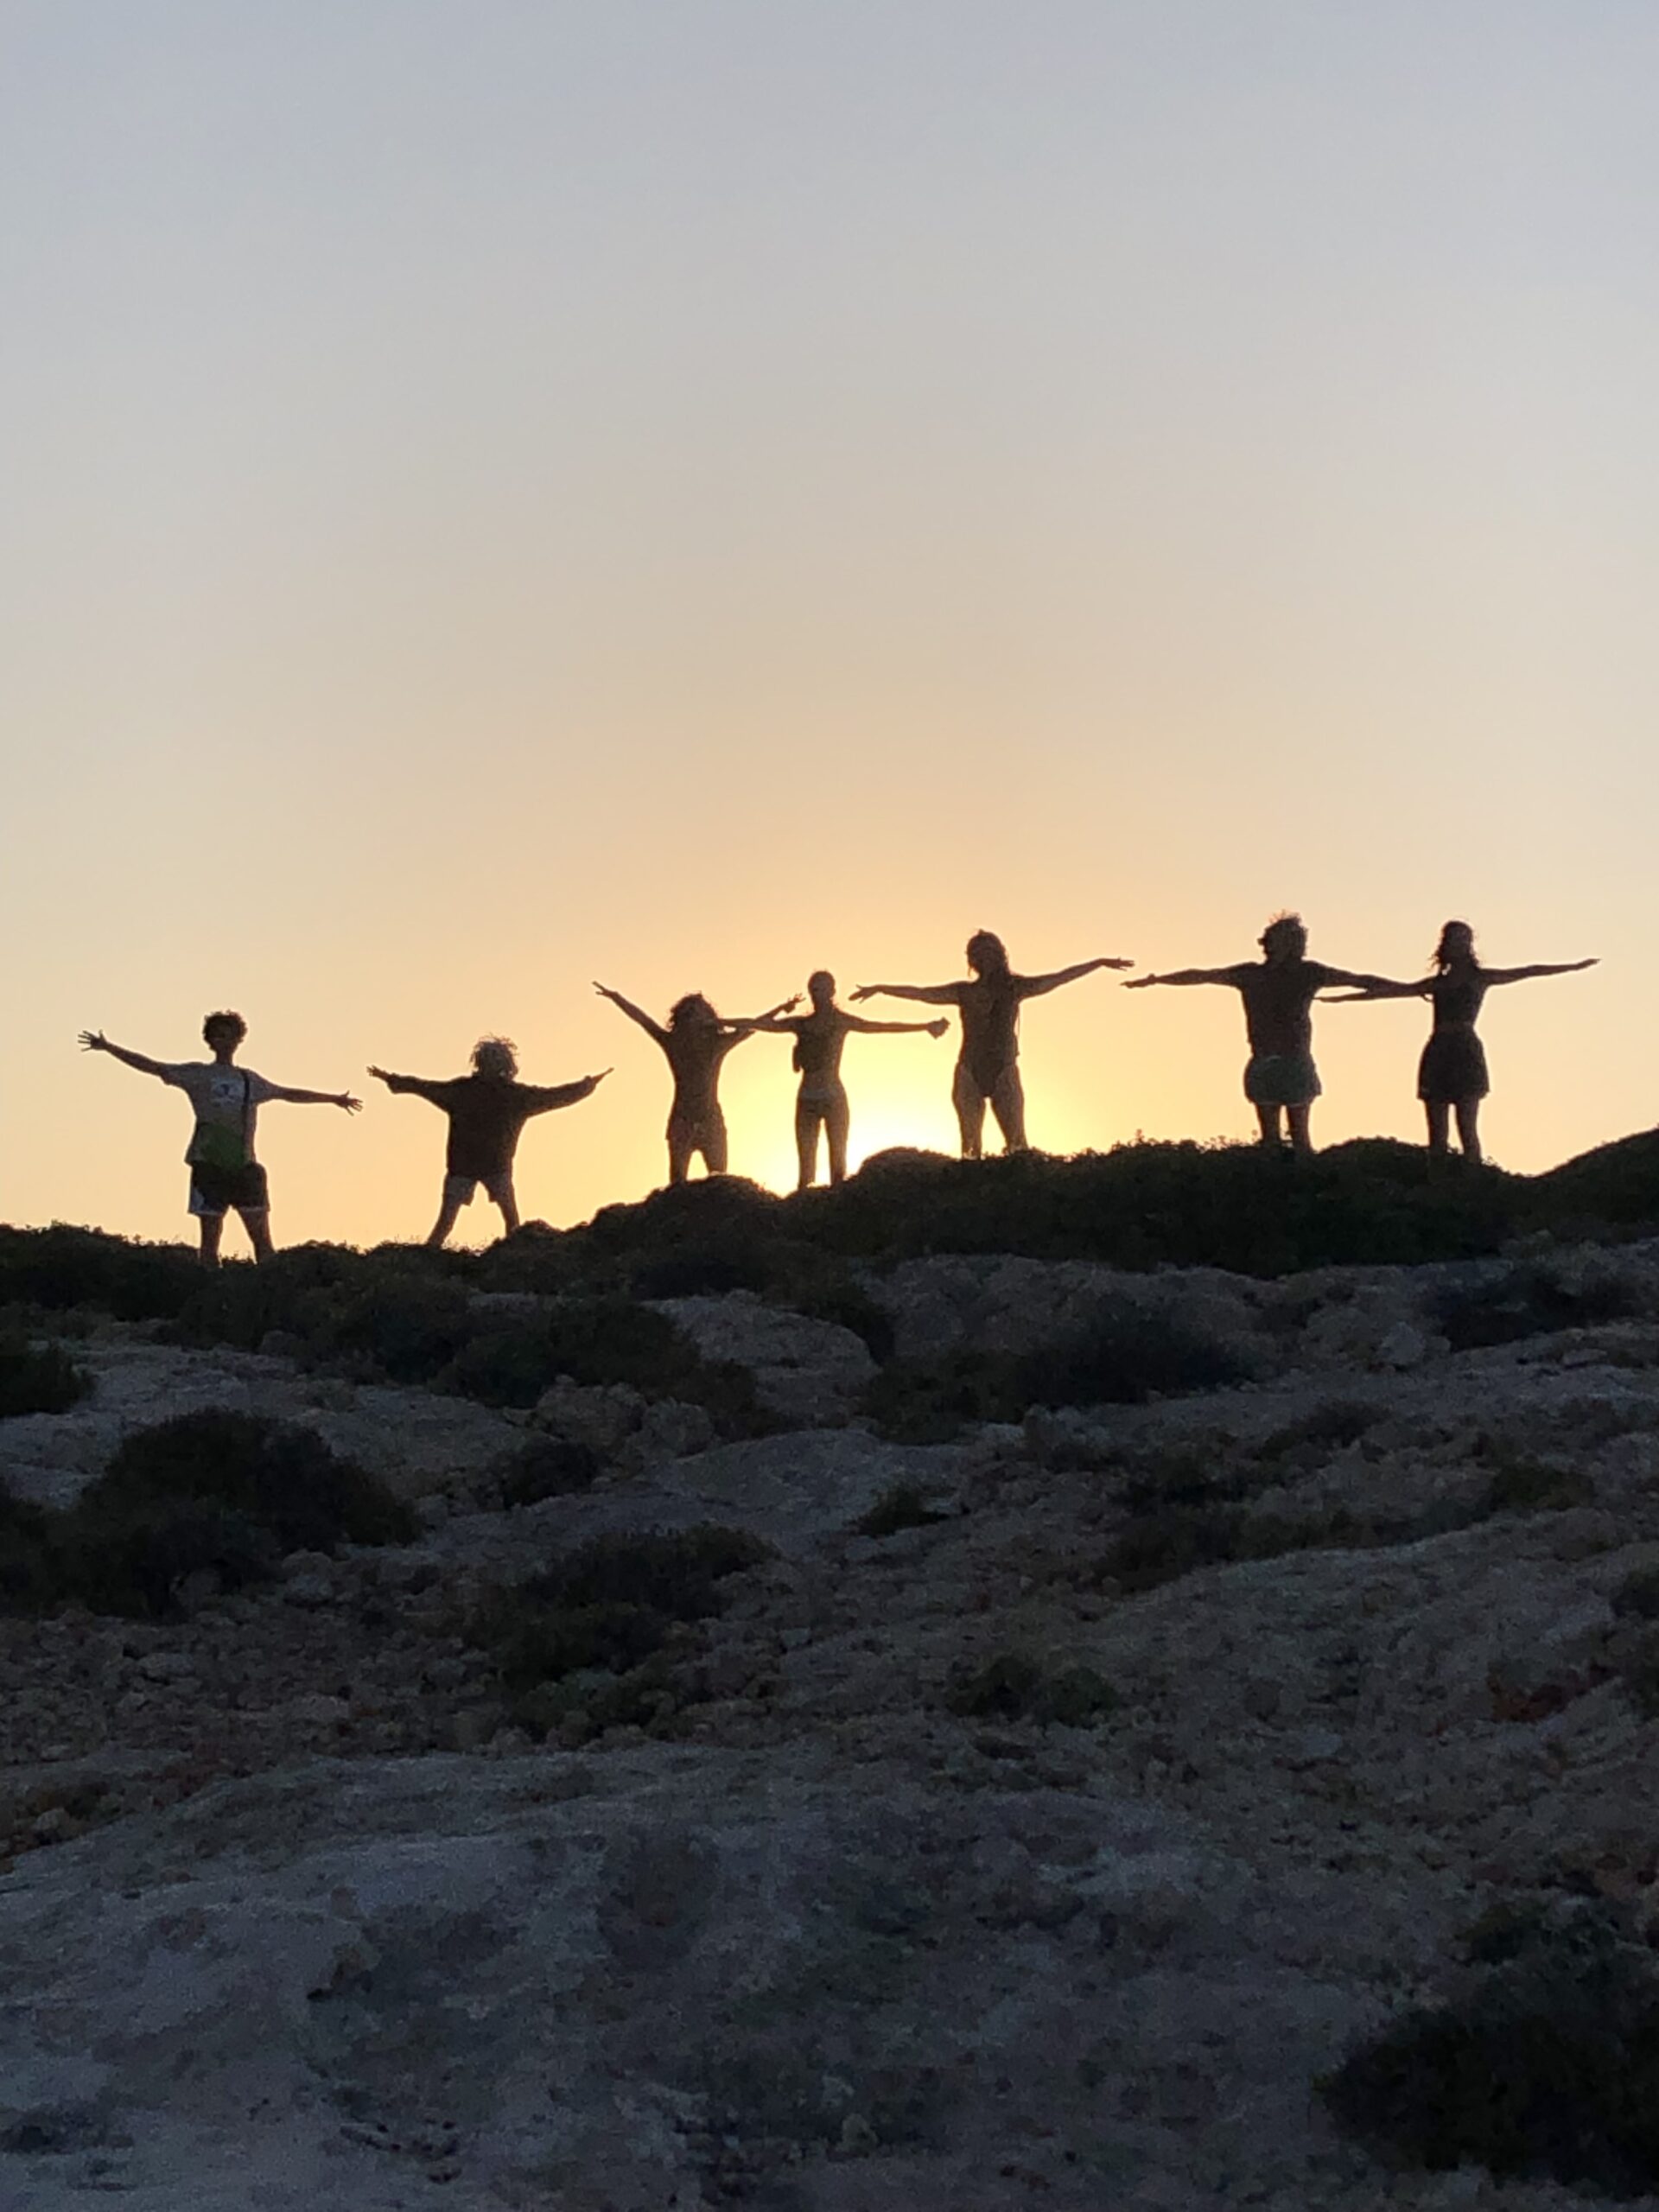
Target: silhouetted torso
(1278,997)
(818,1041)
(990,1028)
(487,1114)
(1457,999)
(695,1054)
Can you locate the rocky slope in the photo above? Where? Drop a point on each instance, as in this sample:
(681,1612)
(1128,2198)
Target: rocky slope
(1041,1818)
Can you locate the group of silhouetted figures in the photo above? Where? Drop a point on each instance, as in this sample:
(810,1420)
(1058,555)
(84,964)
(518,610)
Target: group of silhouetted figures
(488,1109)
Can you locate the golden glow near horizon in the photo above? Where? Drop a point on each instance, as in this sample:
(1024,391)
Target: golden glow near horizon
(687,496)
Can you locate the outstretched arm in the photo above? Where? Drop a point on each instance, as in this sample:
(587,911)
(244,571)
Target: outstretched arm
(747,1024)
(1373,986)
(634,1012)
(1380,987)
(1035,986)
(286,1096)
(1540,968)
(928,993)
(1185,976)
(935,1028)
(94,1040)
(543,1099)
(418,1086)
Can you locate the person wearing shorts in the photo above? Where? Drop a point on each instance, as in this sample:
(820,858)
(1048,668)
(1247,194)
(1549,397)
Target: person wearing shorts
(821,1103)
(695,1044)
(224,1175)
(988,1066)
(1281,1080)
(487,1110)
(1452,1077)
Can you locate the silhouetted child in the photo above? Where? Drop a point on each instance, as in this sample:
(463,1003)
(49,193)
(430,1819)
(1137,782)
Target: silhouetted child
(223,1173)
(487,1110)
(821,1101)
(1278,991)
(988,1066)
(1452,1075)
(695,1043)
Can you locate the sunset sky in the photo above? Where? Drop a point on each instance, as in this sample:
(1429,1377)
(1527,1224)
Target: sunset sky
(502,492)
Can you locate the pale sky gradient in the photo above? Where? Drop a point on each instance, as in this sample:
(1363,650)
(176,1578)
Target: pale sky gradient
(497,492)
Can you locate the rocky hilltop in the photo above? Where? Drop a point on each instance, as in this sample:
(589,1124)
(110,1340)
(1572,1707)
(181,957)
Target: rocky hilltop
(1114,1683)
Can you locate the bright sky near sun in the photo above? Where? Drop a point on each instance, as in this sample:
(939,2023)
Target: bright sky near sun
(685,491)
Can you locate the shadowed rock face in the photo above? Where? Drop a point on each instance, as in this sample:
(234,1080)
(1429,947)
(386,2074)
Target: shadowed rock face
(850,1897)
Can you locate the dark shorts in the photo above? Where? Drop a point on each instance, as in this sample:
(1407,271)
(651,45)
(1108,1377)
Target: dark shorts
(218,1190)
(1281,1079)
(1453,1068)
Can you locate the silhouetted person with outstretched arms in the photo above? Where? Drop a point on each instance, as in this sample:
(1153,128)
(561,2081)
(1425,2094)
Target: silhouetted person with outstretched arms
(223,1173)
(695,1043)
(821,1101)
(1278,991)
(988,1066)
(488,1111)
(1451,1074)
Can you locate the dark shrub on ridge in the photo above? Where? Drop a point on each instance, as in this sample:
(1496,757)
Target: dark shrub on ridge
(59,1267)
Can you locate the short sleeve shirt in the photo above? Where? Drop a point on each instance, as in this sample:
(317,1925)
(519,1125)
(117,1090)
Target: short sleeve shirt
(224,1097)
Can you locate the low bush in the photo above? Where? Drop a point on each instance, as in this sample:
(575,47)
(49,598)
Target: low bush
(226,1494)
(1545,2064)
(1121,1359)
(606,1607)
(1012,1687)
(900,1506)
(548,1466)
(1637,1595)
(40,1379)
(1527,1299)
(1521,1483)
(1124,1357)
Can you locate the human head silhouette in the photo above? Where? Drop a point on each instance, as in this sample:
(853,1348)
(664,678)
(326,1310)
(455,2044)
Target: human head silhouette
(987,955)
(1285,938)
(224,1027)
(1457,943)
(821,988)
(497,1056)
(693,1009)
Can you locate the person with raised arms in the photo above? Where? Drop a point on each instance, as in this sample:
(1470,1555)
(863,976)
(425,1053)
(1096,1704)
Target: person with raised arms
(1278,991)
(695,1043)
(821,1103)
(987,1066)
(224,1172)
(1452,1077)
(487,1110)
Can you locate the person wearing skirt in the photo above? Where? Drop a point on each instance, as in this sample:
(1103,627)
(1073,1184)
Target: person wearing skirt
(1452,1077)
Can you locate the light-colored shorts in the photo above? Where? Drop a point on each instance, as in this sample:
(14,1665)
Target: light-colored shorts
(459,1190)
(1283,1079)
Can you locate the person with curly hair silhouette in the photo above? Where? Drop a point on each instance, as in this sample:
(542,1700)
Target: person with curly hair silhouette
(1278,991)
(487,1110)
(695,1043)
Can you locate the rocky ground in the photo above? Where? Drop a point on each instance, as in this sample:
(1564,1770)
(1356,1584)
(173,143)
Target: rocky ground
(1045,1847)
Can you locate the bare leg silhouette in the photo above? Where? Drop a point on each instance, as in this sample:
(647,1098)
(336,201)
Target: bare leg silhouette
(1008,1105)
(1468,1113)
(1301,1137)
(969,1101)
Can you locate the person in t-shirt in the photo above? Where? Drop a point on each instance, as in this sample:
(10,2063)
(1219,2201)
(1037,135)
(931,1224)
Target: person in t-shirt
(1278,991)
(821,1103)
(487,1110)
(988,1066)
(224,1172)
